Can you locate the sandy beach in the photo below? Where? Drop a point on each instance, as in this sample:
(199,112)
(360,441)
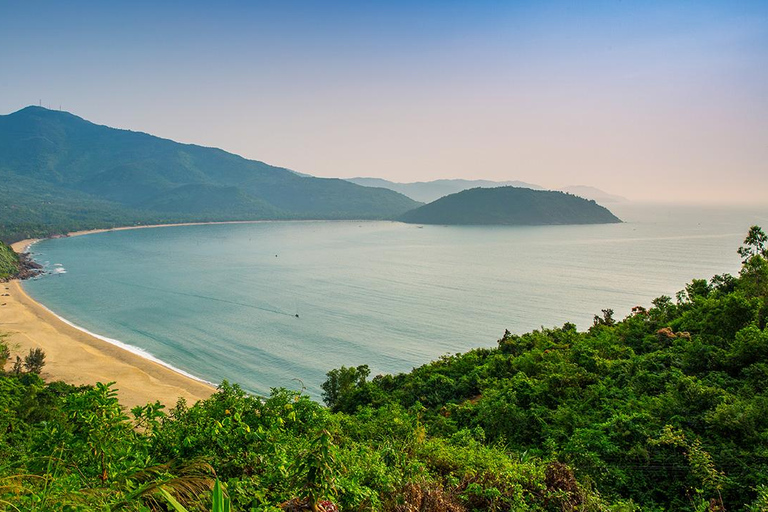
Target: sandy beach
(76,357)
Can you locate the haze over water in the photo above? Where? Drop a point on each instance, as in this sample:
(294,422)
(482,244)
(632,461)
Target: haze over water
(220,301)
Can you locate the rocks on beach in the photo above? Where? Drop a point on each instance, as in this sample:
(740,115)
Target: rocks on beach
(28,268)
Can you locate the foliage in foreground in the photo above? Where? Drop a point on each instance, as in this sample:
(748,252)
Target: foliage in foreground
(664,410)
(64,448)
(668,407)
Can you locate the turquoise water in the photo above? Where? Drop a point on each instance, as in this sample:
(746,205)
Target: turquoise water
(219,301)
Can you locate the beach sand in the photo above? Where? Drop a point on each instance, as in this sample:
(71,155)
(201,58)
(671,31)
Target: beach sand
(76,357)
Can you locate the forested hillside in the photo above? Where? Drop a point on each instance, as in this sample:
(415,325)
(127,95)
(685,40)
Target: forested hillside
(666,409)
(59,172)
(511,206)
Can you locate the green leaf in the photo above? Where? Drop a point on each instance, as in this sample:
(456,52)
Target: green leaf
(178,507)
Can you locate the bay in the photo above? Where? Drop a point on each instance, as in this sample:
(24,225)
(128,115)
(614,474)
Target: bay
(220,301)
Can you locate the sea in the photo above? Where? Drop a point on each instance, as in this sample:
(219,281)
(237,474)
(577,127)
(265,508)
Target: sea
(279,304)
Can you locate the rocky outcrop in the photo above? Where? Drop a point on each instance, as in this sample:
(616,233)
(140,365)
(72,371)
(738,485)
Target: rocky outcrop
(28,268)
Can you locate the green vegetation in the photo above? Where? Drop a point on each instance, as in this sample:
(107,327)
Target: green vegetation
(510,206)
(666,409)
(61,173)
(66,448)
(9,262)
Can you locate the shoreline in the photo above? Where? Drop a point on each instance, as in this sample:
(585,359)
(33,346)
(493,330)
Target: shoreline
(23,245)
(122,345)
(76,356)
(140,376)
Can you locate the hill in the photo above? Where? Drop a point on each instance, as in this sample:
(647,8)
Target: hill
(510,206)
(9,262)
(667,407)
(59,171)
(428,191)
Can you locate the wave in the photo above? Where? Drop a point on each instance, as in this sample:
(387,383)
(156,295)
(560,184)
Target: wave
(129,348)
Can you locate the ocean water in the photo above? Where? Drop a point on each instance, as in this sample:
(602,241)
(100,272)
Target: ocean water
(220,301)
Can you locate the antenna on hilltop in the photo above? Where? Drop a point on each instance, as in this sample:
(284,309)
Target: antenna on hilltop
(40,102)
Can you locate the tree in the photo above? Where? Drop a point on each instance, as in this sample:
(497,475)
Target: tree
(341,381)
(724,283)
(5,353)
(755,244)
(607,318)
(35,360)
(318,469)
(754,271)
(17,366)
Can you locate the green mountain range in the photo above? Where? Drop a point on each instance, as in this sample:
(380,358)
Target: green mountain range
(510,206)
(59,172)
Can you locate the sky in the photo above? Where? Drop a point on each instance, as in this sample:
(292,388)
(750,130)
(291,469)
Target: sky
(653,100)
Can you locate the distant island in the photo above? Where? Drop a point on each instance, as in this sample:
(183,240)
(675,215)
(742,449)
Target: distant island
(60,173)
(510,206)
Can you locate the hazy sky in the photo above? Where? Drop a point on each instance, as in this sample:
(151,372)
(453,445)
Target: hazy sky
(651,100)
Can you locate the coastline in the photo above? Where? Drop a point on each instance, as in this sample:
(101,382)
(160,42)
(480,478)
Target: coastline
(77,357)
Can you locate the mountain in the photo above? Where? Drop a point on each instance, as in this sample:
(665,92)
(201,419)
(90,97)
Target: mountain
(58,170)
(428,191)
(510,206)
(593,193)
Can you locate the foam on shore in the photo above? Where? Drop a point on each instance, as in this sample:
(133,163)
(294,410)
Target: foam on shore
(128,348)
(26,246)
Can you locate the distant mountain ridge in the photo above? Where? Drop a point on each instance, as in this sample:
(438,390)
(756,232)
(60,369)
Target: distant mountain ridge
(58,170)
(594,193)
(428,191)
(510,206)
